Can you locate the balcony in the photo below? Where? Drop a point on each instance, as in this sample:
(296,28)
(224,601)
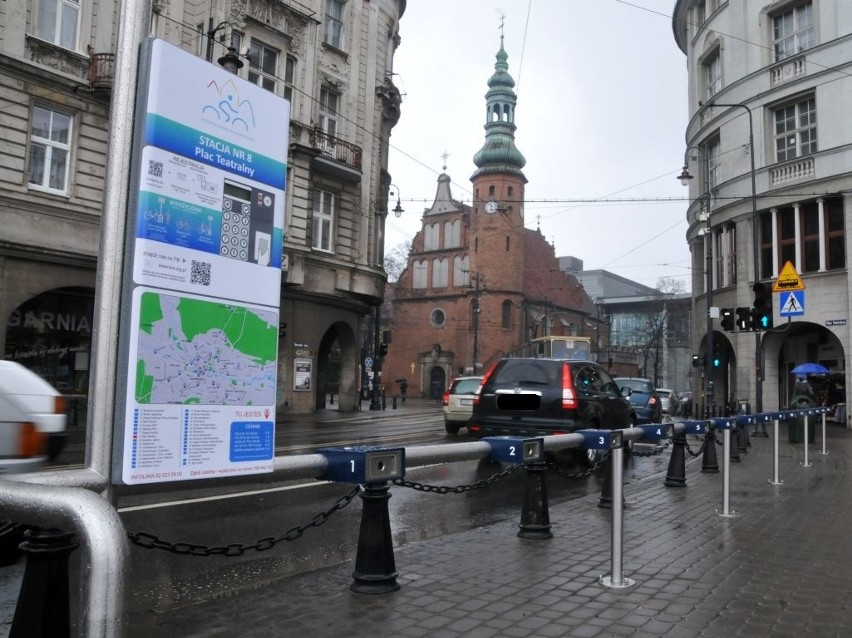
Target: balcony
(336,156)
(101,70)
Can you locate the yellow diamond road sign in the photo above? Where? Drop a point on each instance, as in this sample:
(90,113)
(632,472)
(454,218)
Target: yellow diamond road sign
(788,279)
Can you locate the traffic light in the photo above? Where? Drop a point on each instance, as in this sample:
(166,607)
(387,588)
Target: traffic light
(383,349)
(696,361)
(727,315)
(744,318)
(717,355)
(761,312)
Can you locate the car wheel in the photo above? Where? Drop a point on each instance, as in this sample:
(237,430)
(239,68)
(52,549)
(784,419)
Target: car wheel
(451,428)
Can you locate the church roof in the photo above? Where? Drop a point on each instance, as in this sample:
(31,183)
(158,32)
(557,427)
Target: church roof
(444,202)
(544,280)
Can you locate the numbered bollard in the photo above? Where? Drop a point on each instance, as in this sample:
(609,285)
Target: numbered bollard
(726,425)
(375,567)
(535,513)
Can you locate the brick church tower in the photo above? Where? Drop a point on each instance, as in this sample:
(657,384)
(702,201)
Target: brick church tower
(478,284)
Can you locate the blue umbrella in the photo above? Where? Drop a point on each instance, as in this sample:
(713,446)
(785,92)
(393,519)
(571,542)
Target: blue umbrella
(809,368)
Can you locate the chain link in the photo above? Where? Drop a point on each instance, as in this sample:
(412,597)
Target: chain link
(151,541)
(580,475)
(700,450)
(458,489)
(655,451)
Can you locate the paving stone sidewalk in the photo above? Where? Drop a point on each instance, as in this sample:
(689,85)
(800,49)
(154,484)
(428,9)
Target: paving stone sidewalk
(781,566)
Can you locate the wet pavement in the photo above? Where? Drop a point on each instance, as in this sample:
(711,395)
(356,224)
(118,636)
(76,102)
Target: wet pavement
(779,564)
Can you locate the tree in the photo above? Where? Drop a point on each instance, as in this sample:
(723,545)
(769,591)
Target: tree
(396,261)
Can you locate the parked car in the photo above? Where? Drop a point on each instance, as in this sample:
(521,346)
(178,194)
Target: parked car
(457,404)
(535,397)
(670,401)
(32,419)
(643,397)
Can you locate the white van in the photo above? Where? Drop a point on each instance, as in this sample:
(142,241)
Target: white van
(32,419)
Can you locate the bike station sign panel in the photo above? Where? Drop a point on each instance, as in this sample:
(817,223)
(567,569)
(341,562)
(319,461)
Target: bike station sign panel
(206,215)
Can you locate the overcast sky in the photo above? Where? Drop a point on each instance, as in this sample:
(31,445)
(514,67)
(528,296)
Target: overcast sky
(601,115)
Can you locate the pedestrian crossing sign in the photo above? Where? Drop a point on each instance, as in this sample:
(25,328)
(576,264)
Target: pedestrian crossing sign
(792,303)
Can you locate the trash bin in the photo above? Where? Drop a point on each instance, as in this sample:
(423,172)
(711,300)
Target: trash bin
(796,426)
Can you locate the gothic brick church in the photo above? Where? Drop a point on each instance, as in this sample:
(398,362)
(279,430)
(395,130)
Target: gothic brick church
(478,284)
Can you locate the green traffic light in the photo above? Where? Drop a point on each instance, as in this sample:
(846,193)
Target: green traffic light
(717,362)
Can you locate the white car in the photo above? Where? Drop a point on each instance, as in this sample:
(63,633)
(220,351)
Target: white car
(32,419)
(458,403)
(670,401)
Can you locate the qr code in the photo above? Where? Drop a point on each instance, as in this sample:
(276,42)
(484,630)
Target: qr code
(155,168)
(200,273)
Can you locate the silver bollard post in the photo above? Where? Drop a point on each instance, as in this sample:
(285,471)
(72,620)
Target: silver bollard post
(616,579)
(823,451)
(776,445)
(806,463)
(726,475)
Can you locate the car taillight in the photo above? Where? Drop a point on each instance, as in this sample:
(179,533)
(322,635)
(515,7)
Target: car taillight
(652,400)
(569,398)
(59,404)
(478,394)
(446,399)
(31,442)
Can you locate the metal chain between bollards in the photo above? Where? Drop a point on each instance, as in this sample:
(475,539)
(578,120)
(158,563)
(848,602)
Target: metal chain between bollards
(580,475)
(151,541)
(700,450)
(458,489)
(656,451)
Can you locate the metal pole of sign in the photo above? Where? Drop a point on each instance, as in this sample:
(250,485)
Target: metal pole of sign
(776,445)
(823,451)
(726,474)
(806,463)
(616,579)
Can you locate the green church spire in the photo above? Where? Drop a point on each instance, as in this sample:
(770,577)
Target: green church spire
(498,154)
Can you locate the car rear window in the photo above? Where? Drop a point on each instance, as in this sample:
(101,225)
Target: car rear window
(465,386)
(634,385)
(526,372)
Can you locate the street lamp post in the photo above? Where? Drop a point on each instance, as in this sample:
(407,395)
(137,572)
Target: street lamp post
(758,343)
(709,382)
(376,402)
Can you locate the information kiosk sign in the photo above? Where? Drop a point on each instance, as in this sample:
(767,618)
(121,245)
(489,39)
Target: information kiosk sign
(206,215)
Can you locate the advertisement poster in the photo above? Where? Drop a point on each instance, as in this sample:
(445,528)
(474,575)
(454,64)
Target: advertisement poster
(302,375)
(208,198)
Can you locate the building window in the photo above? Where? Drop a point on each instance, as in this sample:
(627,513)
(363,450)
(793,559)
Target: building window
(333,31)
(263,65)
(328,112)
(420,275)
(713,71)
(58,22)
(835,235)
(431,236)
(712,164)
(452,234)
(289,77)
(437,318)
(809,215)
(461,272)
(50,149)
(793,31)
(323,220)
(506,315)
(440,268)
(795,130)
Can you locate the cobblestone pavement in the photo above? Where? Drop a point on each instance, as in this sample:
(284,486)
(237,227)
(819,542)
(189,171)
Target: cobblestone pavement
(781,565)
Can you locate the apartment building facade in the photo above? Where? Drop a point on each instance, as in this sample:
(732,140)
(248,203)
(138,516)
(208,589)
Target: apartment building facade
(332,59)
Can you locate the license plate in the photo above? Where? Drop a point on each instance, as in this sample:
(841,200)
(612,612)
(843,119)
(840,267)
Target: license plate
(465,401)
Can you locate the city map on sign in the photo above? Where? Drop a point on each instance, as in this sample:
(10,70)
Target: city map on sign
(191,351)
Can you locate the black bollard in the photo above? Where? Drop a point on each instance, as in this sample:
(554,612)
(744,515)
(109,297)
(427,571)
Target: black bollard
(734,453)
(760,429)
(535,516)
(742,438)
(375,568)
(605,501)
(43,604)
(709,462)
(676,475)
(394,402)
